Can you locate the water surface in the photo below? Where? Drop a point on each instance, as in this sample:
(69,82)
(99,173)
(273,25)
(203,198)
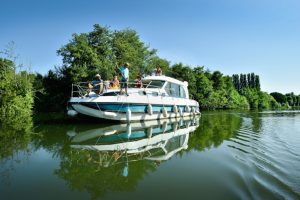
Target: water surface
(222,155)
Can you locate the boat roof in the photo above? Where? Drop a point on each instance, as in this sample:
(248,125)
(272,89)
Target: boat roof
(166,78)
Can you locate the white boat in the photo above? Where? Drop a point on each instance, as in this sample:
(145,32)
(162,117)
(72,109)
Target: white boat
(161,97)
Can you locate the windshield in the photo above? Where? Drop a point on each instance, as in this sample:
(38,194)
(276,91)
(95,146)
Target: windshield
(154,84)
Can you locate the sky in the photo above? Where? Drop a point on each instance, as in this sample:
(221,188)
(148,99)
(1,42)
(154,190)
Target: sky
(232,36)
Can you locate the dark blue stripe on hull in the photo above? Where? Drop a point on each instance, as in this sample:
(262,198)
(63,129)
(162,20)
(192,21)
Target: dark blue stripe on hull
(135,135)
(124,107)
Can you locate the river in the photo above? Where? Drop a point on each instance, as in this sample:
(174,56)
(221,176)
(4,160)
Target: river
(221,155)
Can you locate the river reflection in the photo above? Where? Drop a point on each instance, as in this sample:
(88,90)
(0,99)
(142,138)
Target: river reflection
(116,157)
(232,155)
(150,140)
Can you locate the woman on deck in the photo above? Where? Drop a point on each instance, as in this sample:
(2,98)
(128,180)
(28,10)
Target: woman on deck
(115,84)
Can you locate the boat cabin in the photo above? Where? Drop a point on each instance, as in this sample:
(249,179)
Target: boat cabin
(171,86)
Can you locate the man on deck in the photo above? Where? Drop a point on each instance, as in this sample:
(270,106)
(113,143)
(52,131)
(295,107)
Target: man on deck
(97,84)
(125,77)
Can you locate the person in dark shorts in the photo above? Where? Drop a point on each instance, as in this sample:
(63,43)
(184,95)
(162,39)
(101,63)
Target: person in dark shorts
(125,77)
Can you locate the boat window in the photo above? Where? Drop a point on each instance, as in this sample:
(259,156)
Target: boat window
(154,83)
(173,89)
(182,92)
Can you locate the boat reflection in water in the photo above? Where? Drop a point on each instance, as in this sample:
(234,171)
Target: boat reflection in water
(149,140)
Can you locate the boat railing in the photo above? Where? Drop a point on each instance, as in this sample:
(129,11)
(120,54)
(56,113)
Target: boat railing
(81,89)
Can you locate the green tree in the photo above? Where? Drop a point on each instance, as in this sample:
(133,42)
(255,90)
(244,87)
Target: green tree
(257,82)
(98,51)
(184,73)
(290,99)
(249,80)
(88,54)
(128,47)
(236,81)
(204,88)
(155,62)
(280,98)
(218,82)
(16,95)
(252,77)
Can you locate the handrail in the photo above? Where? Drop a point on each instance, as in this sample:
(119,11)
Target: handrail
(81,89)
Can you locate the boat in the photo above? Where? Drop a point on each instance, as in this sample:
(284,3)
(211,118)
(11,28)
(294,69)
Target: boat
(161,97)
(149,140)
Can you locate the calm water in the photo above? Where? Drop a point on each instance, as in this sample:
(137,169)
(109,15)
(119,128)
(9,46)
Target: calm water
(222,155)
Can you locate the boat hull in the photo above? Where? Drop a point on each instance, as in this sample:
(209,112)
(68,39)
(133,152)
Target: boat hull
(123,116)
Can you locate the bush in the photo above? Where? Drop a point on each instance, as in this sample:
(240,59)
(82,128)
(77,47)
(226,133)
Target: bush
(16,96)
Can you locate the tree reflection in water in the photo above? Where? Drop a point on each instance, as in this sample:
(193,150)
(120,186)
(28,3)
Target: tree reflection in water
(117,157)
(14,139)
(100,159)
(215,128)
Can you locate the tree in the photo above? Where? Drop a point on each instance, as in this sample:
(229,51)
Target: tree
(16,96)
(257,82)
(249,80)
(88,54)
(217,79)
(155,62)
(236,81)
(290,98)
(203,89)
(98,51)
(128,47)
(252,78)
(280,98)
(184,73)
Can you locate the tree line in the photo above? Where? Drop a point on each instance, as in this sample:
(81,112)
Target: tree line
(243,81)
(97,51)
(289,99)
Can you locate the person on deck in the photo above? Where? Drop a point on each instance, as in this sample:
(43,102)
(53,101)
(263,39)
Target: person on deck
(138,82)
(114,84)
(158,71)
(96,84)
(125,77)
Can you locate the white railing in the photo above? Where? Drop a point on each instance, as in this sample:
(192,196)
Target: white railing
(82,89)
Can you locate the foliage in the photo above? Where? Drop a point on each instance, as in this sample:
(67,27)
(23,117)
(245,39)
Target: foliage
(259,99)
(97,52)
(246,81)
(16,98)
(292,99)
(280,98)
(87,54)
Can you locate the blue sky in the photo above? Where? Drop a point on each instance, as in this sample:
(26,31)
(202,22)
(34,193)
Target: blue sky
(232,36)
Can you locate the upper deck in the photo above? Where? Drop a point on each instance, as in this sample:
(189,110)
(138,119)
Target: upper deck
(164,85)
